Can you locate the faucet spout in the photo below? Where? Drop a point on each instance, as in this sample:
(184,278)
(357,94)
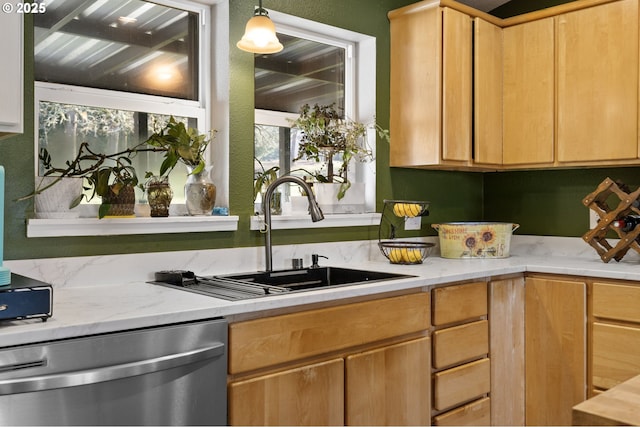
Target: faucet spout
(314,211)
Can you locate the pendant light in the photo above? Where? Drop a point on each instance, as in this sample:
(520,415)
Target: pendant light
(260,34)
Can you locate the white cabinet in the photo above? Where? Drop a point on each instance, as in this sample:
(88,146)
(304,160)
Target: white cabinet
(11,72)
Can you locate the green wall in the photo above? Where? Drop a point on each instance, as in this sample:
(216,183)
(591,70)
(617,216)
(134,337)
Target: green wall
(364,16)
(543,202)
(549,202)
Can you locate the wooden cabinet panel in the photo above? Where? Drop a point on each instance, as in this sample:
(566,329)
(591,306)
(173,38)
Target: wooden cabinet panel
(415,87)
(460,344)
(487,102)
(555,336)
(460,384)
(456,86)
(597,51)
(269,341)
(506,320)
(618,302)
(310,395)
(460,302)
(431,86)
(528,93)
(616,354)
(11,72)
(390,385)
(476,413)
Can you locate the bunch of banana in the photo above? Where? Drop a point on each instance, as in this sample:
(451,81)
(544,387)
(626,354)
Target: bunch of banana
(405,255)
(407,209)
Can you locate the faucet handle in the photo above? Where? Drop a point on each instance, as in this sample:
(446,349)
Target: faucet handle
(314,260)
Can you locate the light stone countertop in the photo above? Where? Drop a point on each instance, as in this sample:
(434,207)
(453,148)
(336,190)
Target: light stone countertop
(92,297)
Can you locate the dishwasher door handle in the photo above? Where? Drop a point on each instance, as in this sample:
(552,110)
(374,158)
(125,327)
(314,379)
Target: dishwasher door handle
(109,373)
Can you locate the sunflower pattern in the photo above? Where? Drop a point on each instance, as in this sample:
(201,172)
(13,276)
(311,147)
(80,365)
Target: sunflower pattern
(481,241)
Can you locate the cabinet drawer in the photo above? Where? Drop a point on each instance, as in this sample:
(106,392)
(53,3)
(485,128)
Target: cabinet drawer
(620,302)
(459,302)
(476,413)
(616,354)
(260,343)
(461,384)
(460,343)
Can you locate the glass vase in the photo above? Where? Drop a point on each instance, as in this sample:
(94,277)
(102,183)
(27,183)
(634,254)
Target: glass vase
(199,192)
(159,195)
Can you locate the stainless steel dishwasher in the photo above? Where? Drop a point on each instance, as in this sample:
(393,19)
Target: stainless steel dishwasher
(169,375)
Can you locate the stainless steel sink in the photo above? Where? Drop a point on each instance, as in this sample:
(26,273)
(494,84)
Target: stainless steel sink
(313,278)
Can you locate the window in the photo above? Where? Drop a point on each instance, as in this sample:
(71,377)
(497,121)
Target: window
(319,64)
(110,73)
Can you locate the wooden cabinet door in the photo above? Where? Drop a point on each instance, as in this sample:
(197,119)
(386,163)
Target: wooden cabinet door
(415,88)
(597,51)
(555,336)
(456,85)
(528,93)
(309,395)
(487,100)
(390,385)
(11,73)
(431,86)
(506,322)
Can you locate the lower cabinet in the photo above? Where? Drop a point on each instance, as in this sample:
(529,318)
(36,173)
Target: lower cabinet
(555,349)
(615,333)
(389,385)
(461,366)
(308,395)
(365,363)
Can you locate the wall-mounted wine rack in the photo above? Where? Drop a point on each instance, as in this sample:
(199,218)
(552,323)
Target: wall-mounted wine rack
(600,201)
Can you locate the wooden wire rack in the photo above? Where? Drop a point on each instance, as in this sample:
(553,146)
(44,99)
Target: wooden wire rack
(602,201)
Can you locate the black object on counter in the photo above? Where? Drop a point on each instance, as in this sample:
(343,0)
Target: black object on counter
(26,298)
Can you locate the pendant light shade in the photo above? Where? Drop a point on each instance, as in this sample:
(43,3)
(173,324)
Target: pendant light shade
(260,34)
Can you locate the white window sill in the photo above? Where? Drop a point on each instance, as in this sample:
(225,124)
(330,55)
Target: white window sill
(283,222)
(37,227)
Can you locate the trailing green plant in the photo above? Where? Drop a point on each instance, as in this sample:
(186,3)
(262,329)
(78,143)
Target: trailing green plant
(103,174)
(325,133)
(181,143)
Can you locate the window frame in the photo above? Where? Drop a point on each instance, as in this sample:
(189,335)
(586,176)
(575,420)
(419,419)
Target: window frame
(201,109)
(360,85)
(214,101)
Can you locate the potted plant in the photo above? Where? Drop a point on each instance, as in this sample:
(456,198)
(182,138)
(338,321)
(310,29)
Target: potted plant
(186,145)
(159,194)
(261,181)
(325,134)
(109,176)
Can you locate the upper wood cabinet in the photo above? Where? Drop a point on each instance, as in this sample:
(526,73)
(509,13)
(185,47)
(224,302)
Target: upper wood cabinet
(11,102)
(431,86)
(598,83)
(554,88)
(529,94)
(487,89)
